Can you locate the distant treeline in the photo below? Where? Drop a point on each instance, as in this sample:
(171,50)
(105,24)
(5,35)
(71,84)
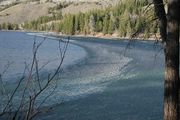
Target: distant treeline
(9,26)
(127,18)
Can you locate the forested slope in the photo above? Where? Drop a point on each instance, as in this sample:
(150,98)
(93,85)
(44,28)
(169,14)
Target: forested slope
(127,18)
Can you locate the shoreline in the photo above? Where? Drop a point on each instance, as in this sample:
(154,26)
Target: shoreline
(64,109)
(108,36)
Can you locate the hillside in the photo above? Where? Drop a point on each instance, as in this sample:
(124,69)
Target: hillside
(118,18)
(28,11)
(126,19)
(24,12)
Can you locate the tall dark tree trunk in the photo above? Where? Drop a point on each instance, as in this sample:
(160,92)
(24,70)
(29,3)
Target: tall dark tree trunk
(161,15)
(169,30)
(171,109)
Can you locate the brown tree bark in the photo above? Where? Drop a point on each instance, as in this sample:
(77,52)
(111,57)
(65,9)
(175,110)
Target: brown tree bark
(161,15)
(171,109)
(169,30)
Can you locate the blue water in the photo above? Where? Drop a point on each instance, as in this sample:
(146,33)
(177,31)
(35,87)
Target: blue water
(102,79)
(16,49)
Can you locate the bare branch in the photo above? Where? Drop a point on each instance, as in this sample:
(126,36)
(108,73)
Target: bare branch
(161,15)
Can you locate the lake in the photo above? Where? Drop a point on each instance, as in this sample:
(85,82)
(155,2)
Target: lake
(100,80)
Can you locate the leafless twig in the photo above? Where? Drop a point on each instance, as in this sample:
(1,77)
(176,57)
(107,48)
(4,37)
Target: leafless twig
(30,93)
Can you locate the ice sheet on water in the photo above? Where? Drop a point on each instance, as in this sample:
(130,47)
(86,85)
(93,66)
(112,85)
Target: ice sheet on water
(101,67)
(49,35)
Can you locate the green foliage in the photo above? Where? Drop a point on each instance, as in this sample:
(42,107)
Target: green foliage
(125,18)
(9,26)
(41,23)
(106,24)
(92,23)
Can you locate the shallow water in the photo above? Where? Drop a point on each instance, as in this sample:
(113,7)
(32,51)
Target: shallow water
(16,49)
(112,81)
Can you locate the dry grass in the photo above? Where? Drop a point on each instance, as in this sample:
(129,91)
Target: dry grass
(24,12)
(30,11)
(81,7)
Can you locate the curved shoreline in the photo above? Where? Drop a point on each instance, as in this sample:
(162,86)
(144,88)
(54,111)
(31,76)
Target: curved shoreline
(47,36)
(116,93)
(111,37)
(100,84)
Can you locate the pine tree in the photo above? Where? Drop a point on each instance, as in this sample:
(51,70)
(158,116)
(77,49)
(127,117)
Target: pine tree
(92,24)
(106,24)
